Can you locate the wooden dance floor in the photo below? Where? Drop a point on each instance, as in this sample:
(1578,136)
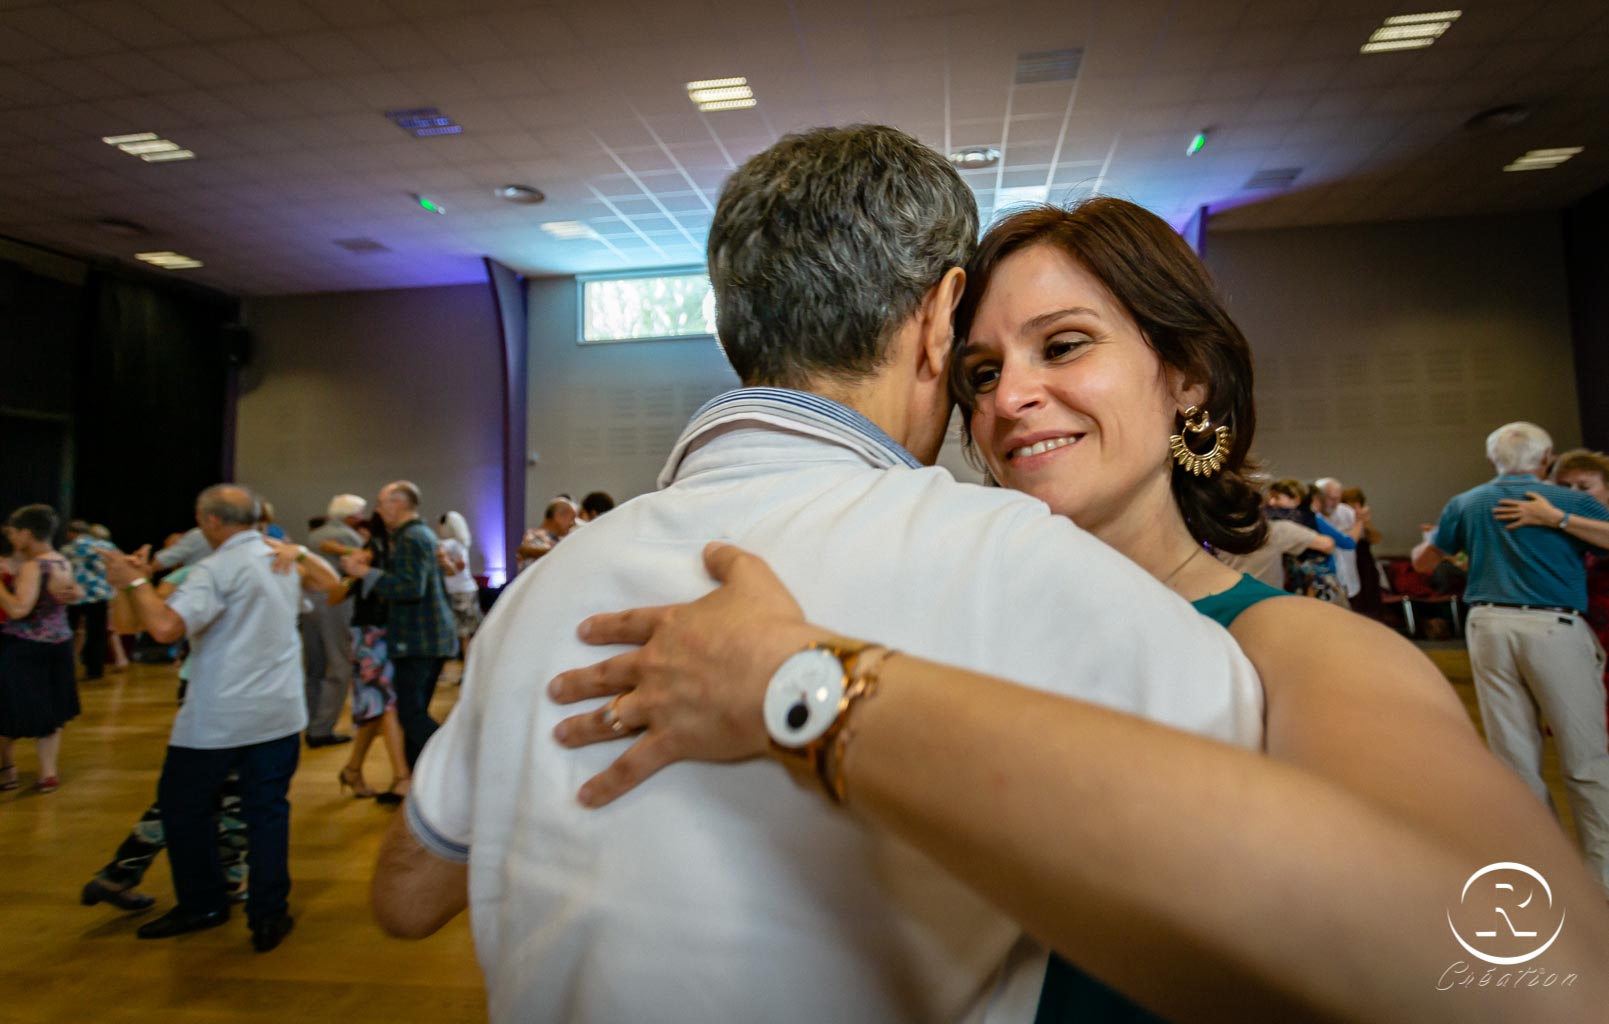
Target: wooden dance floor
(60,962)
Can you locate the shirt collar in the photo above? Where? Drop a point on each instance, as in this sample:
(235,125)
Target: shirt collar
(1510,477)
(798,411)
(236,539)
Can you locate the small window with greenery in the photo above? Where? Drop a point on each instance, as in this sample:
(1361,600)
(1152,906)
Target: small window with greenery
(646,307)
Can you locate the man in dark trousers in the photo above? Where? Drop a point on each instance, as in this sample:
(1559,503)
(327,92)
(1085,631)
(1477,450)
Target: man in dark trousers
(243,712)
(420,632)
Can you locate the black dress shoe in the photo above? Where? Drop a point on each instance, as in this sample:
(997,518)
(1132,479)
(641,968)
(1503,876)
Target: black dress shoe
(98,891)
(178,921)
(271,931)
(333,739)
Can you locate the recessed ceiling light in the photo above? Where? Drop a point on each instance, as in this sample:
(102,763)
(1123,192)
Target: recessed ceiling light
(721,94)
(1543,159)
(975,158)
(1197,143)
(148,146)
(1410,31)
(428,204)
(569,230)
(168,260)
(524,194)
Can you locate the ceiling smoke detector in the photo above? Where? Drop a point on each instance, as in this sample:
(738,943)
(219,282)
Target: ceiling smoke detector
(522,194)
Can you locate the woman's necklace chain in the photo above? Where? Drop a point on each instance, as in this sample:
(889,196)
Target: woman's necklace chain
(1188,559)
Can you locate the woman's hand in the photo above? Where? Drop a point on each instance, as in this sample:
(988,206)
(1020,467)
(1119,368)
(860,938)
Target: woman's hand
(1534,511)
(695,689)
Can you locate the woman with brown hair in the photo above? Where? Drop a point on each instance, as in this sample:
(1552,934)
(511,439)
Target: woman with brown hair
(38,691)
(1098,372)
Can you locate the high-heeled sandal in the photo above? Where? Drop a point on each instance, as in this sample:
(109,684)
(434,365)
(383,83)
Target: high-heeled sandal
(8,777)
(391,797)
(352,778)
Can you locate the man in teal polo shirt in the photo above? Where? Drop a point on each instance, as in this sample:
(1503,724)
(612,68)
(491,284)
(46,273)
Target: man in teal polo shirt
(1529,647)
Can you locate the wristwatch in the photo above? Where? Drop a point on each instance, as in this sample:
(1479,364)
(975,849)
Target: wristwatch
(807,706)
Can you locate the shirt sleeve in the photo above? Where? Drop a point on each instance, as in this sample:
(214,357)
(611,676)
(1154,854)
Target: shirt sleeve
(1298,538)
(1448,537)
(1342,541)
(192,547)
(197,601)
(412,562)
(440,802)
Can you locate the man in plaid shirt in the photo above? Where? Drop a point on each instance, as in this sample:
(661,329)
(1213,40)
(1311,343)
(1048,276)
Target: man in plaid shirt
(420,631)
(86,552)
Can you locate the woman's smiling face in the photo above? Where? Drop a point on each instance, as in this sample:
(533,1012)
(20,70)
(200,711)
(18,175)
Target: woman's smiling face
(1071,404)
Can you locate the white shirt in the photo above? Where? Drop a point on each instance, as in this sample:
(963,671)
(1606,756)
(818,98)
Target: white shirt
(460,582)
(727,893)
(245,665)
(1346,561)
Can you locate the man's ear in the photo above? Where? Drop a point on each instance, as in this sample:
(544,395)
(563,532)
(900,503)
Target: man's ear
(938,324)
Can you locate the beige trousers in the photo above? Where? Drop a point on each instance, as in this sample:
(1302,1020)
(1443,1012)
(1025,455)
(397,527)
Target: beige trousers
(1536,666)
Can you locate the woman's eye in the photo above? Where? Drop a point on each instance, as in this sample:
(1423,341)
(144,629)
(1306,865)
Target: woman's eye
(982,378)
(1063,345)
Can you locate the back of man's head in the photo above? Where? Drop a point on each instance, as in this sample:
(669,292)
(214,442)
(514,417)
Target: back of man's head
(230,504)
(825,243)
(345,506)
(1518,447)
(405,490)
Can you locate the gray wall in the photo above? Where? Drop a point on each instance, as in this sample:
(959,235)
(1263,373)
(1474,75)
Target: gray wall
(348,391)
(604,417)
(1386,353)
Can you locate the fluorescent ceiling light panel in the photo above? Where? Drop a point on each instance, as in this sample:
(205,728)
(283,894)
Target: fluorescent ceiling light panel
(1418,19)
(721,94)
(1025,194)
(569,230)
(148,146)
(1543,159)
(1396,44)
(155,146)
(168,260)
(1410,31)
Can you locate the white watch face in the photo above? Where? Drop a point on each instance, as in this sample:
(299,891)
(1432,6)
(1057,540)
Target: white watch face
(802,699)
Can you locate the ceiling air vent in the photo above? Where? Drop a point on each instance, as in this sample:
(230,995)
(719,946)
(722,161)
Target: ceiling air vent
(1048,66)
(1274,177)
(423,122)
(360,245)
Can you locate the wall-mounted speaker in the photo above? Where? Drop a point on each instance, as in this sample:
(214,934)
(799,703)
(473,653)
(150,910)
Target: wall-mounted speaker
(235,340)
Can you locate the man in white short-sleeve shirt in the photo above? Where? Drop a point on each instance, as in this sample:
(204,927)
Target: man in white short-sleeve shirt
(728,893)
(243,710)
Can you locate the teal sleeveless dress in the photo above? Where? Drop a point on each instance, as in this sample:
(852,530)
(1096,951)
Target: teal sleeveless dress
(1069,995)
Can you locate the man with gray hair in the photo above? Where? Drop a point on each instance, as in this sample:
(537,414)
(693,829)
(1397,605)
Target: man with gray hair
(1344,519)
(729,894)
(327,628)
(242,712)
(1530,649)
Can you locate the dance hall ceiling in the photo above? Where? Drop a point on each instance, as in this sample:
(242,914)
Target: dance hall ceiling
(301,183)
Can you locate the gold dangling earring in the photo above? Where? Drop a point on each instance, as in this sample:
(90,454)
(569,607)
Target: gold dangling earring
(1195,422)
